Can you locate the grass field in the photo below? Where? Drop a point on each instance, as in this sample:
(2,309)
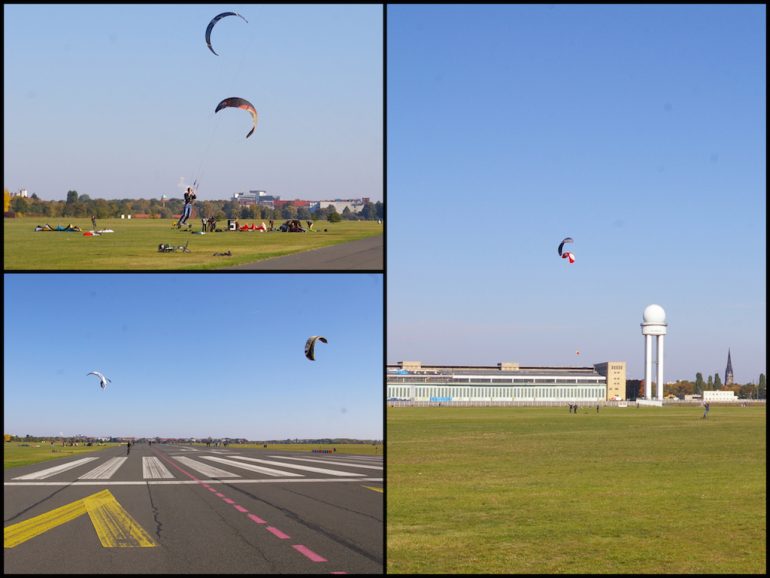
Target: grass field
(358,449)
(540,490)
(17,454)
(134,244)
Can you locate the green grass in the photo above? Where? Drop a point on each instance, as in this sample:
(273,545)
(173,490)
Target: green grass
(17,454)
(134,244)
(358,449)
(539,490)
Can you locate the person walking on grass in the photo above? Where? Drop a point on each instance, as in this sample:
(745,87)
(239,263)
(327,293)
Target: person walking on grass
(705,410)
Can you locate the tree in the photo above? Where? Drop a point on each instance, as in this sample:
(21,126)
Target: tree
(334,217)
(761,387)
(19,205)
(698,383)
(289,212)
(717,381)
(710,383)
(72,197)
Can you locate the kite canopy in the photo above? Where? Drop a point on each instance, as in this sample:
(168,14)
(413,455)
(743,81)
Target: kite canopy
(561,245)
(310,346)
(216,19)
(243,104)
(102,379)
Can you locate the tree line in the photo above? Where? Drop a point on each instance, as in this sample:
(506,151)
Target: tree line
(84,206)
(745,391)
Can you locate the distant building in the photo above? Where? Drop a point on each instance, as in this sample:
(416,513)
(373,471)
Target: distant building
(504,382)
(729,370)
(615,372)
(355,205)
(255,198)
(719,395)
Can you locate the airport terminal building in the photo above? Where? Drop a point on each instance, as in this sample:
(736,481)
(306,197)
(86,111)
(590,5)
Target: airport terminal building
(411,382)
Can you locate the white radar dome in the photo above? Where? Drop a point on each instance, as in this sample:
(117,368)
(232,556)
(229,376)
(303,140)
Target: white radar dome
(654,314)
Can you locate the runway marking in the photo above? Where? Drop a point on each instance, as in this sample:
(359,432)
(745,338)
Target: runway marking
(309,553)
(188,482)
(47,473)
(257,519)
(205,469)
(374,488)
(240,509)
(277,533)
(153,468)
(260,469)
(104,471)
(298,467)
(114,526)
(330,462)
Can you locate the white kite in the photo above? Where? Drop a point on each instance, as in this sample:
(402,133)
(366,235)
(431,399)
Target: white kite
(102,379)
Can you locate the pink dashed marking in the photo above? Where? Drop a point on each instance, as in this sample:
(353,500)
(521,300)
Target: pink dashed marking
(277,533)
(213,490)
(218,495)
(309,553)
(229,501)
(257,519)
(337,572)
(240,508)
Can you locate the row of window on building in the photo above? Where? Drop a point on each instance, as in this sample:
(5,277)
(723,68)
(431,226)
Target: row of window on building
(420,393)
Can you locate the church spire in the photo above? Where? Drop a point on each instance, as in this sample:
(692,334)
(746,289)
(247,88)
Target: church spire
(729,370)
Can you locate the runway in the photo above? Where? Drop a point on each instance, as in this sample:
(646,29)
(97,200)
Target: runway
(364,254)
(183,509)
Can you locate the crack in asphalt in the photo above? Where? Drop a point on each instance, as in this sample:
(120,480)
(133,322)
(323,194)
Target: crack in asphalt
(294,516)
(25,510)
(155,513)
(365,515)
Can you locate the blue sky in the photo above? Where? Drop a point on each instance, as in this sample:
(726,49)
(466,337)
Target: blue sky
(637,130)
(194,355)
(117,101)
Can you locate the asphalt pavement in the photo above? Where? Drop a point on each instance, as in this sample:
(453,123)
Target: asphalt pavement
(167,509)
(363,254)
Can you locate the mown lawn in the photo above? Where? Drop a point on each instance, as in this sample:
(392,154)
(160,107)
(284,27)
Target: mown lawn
(540,490)
(358,449)
(134,244)
(17,454)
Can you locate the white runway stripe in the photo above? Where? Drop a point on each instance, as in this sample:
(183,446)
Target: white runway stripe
(205,469)
(153,468)
(298,467)
(260,469)
(104,471)
(47,473)
(332,462)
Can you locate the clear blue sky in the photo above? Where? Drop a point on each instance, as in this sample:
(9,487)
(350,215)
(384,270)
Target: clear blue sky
(637,130)
(194,355)
(117,101)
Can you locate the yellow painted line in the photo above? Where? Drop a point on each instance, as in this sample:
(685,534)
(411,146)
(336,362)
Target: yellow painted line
(373,488)
(23,531)
(114,526)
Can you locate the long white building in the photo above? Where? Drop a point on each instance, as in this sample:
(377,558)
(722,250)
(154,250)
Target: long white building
(411,381)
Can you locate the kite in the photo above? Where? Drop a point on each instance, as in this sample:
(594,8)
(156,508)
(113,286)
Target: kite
(216,19)
(310,346)
(102,379)
(566,254)
(236,102)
